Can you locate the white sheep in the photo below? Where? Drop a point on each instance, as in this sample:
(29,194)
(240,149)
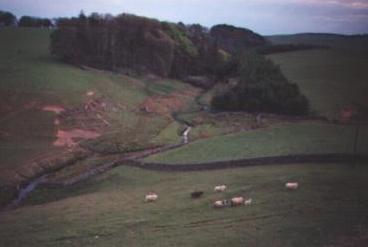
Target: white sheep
(237,201)
(151,197)
(220,188)
(292,186)
(248,202)
(222,204)
(218,204)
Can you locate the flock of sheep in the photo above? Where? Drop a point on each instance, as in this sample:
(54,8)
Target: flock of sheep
(233,202)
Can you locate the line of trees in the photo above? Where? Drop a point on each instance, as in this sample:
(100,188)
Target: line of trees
(8,19)
(134,44)
(138,45)
(126,43)
(29,21)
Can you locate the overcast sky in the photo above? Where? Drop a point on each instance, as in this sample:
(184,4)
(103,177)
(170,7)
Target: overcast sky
(263,16)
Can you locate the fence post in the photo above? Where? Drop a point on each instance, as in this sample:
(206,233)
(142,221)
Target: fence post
(355,145)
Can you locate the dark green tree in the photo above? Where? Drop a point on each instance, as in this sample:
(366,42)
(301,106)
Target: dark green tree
(7,19)
(29,21)
(261,87)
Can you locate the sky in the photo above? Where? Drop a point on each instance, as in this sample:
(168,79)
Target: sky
(263,16)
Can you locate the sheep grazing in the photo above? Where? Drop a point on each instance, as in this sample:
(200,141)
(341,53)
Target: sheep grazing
(248,202)
(237,201)
(220,188)
(222,204)
(196,194)
(218,204)
(151,197)
(292,186)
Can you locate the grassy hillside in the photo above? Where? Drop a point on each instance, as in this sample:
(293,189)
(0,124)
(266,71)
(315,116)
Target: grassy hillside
(329,208)
(27,68)
(281,139)
(331,79)
(31,79)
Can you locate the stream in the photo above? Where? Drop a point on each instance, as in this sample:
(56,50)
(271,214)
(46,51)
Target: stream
(25,191)
(185,135)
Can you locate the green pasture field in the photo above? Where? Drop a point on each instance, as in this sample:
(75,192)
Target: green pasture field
(331,79)
(281,139)
(328,209)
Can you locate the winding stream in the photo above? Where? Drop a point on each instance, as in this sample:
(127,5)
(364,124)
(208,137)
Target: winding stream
(25,191)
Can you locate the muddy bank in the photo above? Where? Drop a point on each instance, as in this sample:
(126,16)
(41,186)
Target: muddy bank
(68,137)
(53,108)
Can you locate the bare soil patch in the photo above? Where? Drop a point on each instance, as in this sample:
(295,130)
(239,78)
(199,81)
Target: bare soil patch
(90,93)
(53,108)
(69,138)
(165,105)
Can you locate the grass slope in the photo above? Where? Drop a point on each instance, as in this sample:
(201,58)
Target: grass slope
(331,79)
(281,139)
(109,210)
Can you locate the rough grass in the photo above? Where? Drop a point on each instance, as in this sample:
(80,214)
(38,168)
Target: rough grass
(331,79)
(171,134)
(282,139)
(109,210)
(27,135)
(163,87)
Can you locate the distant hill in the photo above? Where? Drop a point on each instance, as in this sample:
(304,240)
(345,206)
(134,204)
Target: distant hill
(339,41)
